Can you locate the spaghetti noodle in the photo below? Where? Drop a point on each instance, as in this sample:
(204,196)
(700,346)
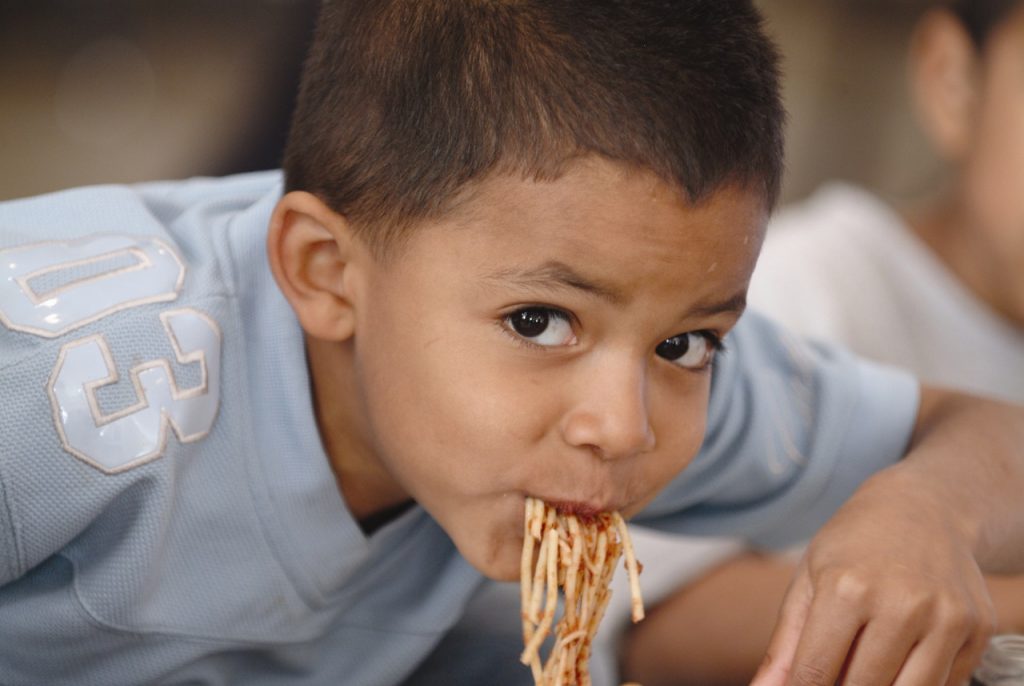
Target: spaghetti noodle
(578,555)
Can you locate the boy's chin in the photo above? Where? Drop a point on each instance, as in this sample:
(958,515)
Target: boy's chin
(504,565)
(505,574)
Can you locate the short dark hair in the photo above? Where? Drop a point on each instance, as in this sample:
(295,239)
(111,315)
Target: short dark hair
(979,17)
(404,103)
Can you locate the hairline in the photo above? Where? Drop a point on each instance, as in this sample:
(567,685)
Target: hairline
(386,245)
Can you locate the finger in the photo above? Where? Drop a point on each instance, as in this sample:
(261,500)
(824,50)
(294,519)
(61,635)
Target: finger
(967,660)
(774,670)
(878,653)
(970,654)
(928,663)
(969,657)
(833,622)
(944,656)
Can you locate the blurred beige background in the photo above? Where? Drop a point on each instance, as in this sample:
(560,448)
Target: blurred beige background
(845,89)
(120,90)
(100,91)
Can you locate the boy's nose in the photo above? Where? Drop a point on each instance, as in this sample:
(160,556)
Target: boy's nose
(609,414)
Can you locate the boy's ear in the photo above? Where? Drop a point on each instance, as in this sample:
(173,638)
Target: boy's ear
(944,73)
(315,259)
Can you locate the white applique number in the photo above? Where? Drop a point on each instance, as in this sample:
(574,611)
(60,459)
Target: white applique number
(143,270)
(155,274)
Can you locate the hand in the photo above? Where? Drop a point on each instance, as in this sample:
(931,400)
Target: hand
(888,592)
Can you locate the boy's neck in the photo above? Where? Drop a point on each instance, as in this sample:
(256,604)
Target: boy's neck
(990,274)
(368,490)
(378,520)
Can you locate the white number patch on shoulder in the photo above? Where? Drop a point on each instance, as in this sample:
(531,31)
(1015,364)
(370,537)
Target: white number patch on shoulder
(49,289)
(153,273)
(136,434)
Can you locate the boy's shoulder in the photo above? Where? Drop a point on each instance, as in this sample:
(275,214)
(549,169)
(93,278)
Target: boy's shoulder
(76,258)
(88,267)
(114,302)
(97,208)
(94,246)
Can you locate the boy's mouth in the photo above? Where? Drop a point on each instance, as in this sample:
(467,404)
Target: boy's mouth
(580,510)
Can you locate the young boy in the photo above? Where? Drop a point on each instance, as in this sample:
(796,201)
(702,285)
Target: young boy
(510,242)
(938,289)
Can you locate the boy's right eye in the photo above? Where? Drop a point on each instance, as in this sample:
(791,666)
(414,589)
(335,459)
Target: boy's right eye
(541,326)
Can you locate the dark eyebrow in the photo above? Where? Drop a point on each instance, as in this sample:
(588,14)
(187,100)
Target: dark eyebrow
(555,273)
(735,304)
(559,274)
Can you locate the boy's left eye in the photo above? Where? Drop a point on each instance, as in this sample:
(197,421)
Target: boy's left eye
(691,350)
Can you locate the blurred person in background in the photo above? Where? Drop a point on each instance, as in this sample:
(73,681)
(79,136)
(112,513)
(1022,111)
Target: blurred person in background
(937,288)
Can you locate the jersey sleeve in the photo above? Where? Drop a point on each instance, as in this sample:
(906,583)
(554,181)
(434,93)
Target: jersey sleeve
(794,428)
(109,360)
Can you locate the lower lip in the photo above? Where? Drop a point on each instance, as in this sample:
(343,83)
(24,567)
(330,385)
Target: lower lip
(580,510)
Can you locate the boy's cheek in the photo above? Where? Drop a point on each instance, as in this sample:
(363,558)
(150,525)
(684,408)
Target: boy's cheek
(486,529)
(670,464)
(680,421)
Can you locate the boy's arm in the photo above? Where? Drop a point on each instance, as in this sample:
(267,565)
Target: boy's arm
(892,585)
(712,631)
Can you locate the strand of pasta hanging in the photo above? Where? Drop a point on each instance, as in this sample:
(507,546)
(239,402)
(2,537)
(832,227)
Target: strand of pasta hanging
(577,555)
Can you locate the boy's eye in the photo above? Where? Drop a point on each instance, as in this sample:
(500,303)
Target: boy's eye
(542,326)
(688,350)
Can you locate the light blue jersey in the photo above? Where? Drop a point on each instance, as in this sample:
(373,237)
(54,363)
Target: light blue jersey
(167,512)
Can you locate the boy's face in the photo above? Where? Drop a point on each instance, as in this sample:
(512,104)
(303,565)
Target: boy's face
(548,339)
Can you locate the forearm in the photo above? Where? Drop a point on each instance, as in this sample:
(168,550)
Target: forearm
(713,631)
(969,453)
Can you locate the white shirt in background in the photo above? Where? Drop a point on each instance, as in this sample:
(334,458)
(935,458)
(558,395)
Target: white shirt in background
(843,266)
